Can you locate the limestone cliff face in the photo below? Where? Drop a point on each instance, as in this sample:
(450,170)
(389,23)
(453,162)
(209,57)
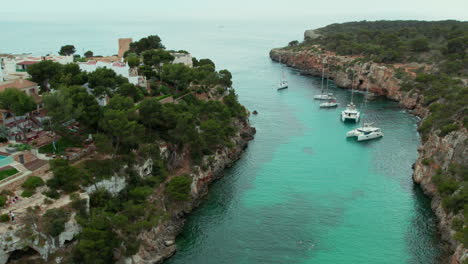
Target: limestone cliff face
(443,151)
(23,236)
(382,80)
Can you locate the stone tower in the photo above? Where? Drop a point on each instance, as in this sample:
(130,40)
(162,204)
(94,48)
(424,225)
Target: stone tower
(124,45)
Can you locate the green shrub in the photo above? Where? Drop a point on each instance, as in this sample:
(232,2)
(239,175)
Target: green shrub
(139,194)
(179,188)
(27,193)
(426,161)
(66,177)
(456,202)
(447,129)
(457,224)
(426,125)
(32,183)
(80,206)
(99,198)
(54,221)
(52,193)
(101,169)
(4,218)
(446,185)
(462,236)
(2,201)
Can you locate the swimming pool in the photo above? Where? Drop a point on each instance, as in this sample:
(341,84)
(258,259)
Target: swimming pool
(5,160)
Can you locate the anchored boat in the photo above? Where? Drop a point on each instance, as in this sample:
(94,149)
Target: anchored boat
(366,132)
(350,113)
(329,104)
(283,84)
(323,95)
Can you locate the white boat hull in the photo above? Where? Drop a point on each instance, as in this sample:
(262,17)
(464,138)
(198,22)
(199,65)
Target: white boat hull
(324,97)
(367,132)
(328,105)
(369,136)
(283,85)
(351,117)
(353,133)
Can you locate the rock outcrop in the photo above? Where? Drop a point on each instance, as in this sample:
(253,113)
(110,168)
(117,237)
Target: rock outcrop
(20,237)
(381,79)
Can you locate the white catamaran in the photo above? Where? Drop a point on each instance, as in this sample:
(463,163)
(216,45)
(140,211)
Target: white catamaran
(283,84)
(366,132)
(322,95)
(351,112)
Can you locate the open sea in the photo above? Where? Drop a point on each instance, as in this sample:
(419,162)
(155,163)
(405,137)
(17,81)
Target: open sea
(301,193)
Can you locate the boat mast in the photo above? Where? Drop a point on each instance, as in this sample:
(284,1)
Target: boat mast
(282,72)
(365,101)
(328,77)
(352,86)
(323,74)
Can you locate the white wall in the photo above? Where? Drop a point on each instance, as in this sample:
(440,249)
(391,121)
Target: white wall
(124,71)
(183,58)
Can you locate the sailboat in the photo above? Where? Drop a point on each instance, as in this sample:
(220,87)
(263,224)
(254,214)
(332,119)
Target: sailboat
(332,102)
(351,112)
(366,132)
(283,84)
(322,95)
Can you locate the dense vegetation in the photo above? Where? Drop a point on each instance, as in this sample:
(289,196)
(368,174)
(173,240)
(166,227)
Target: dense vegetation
(126,132)
(399,41)
(452,185)
(446,99)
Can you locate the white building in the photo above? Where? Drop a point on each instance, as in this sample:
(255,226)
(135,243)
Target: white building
(118,67)
(14,66)
(184,58)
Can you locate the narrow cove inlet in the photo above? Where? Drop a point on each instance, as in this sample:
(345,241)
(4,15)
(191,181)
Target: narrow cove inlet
(302,192)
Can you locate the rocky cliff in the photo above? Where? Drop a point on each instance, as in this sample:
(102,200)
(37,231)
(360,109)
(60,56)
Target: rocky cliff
(383,79)
(158,244)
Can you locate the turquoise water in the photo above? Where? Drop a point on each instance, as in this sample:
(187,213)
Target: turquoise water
(5,160)
(302,192)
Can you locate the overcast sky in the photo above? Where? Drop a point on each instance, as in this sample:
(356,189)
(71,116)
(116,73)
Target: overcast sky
(37,10)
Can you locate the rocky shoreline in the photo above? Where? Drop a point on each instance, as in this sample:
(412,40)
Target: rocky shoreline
(158,244)
(382,80)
